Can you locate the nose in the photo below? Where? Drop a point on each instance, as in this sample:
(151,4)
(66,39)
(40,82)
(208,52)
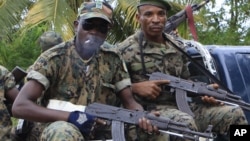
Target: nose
(93,31)
(156,18)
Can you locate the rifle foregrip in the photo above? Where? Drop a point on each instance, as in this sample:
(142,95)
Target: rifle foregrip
(163,122)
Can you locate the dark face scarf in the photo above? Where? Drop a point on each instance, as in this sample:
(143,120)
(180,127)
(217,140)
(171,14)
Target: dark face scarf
(90,46)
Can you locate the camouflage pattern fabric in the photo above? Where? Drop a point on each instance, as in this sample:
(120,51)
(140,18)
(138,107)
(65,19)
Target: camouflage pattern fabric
(49,39)
(136,134)
(221,117)
(61,130)
(69,78)
(160,3)
(166,59)
(89,10)
(6,82)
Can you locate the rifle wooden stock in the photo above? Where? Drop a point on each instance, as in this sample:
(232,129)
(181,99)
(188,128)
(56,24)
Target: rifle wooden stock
(122,115)
(19,74)
(182,86)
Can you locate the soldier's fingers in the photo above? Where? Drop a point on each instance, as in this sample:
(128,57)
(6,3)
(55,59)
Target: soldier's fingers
(156,92)
(101,121)
(155,128)
(149,127)
(215,86)
(212,100)
(143,124)
(160,82)
(204,98)
(156,113)
(152,96)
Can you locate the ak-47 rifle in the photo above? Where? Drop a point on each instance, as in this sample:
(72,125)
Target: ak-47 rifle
(120,115)
(182,86)
(175,20)
(19,74)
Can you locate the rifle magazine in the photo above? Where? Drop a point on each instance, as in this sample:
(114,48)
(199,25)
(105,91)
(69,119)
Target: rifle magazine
(181,100)
(118,131)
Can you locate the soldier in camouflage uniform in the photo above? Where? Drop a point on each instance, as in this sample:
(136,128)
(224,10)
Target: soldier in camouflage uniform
(148,51)
(79,71)
(8,91)
(30,131)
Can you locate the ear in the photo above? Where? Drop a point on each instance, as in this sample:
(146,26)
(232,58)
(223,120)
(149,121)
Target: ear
(76,23)
(137,16)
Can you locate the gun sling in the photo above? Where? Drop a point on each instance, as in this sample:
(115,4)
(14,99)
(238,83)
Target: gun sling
(199,66)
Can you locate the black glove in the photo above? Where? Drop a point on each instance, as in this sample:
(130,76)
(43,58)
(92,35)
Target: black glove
(82,120)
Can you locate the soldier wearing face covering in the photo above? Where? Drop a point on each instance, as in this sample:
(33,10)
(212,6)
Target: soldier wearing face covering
(80,71)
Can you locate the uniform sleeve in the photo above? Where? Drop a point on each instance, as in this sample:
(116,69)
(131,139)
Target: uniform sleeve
(43,71)
(125,79)
(118,71)
(7,80)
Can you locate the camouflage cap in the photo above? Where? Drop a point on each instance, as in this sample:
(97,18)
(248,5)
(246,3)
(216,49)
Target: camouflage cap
(49,39)
(95,10)
(160,3)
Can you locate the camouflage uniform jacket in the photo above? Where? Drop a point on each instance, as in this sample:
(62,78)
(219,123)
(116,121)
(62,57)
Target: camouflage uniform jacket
(65,76)
(7,81)
(157,57)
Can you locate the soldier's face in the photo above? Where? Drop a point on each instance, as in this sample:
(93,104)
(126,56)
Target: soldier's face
(90,34)
(93,26)
(152,19)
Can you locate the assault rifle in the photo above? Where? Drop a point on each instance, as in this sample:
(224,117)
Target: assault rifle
(175,20)
(182,86)
(119,116)
(19,74)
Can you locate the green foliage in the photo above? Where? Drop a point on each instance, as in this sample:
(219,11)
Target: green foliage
(11,12)
(226,26)
(57,14)
(21,51)
(124,21)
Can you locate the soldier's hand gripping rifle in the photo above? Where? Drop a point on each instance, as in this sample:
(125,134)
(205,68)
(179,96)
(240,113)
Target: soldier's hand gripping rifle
(182,86)
(120,115)
(174,21)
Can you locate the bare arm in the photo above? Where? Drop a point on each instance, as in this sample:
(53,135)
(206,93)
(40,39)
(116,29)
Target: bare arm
(128,100)
(25,105)
(11,94)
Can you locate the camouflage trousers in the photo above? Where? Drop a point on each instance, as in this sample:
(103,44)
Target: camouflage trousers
(64,131)
(221,117)
(133,133)
(61,131)
(5,122)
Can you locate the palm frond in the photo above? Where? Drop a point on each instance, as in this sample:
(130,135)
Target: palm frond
(11,13)
(57,13)
(124,20)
